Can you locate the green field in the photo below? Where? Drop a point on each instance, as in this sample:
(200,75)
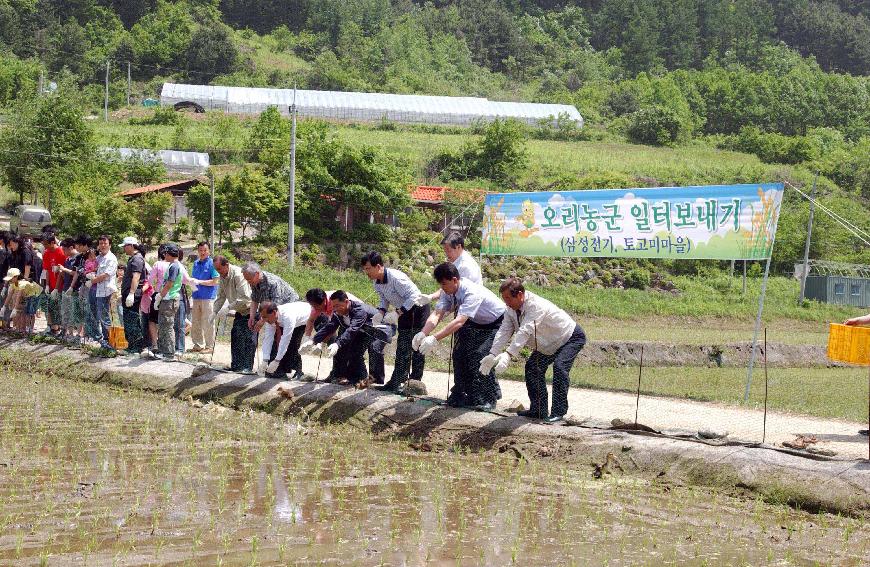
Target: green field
(550,162)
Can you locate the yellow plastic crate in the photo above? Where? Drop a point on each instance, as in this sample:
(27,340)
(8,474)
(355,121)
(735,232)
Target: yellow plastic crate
(848,343)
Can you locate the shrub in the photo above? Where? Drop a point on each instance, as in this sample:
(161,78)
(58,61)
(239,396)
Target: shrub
(638,278)
(654,125)
(373,233)
(162,116)
(771,147)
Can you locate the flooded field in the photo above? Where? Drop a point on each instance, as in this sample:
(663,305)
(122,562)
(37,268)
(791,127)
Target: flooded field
(95,475)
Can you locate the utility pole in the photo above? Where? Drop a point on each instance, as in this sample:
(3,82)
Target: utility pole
(809,237)
(211,183)
(291,227)
(106,99)
(130,87)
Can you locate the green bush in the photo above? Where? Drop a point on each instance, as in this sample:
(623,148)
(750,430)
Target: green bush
(162,116)
(654,125)
(771,147)
(638,278)
(370,233)
(181,230)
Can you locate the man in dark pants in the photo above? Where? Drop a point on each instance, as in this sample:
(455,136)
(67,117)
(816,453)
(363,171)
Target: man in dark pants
(478,314)
(131,291)
(321,314)
(410,314)
(353,319)
(234,298)
(282,334)
(555,339)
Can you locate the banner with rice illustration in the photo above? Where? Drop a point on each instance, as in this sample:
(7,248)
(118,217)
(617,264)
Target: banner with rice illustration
(722,222)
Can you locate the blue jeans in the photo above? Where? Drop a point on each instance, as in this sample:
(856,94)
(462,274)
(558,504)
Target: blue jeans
(179,326)
(104,321)
(93,331)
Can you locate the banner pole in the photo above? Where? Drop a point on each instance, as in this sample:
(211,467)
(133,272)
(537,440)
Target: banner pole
(757,329)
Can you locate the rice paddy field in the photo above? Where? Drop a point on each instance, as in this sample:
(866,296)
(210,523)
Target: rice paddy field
(95,475)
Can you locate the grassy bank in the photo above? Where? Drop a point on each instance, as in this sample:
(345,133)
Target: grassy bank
(839,393)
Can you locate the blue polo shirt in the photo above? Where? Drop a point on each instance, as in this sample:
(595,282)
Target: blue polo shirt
(204,270)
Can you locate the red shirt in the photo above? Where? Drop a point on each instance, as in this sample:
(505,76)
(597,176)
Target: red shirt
(52,258)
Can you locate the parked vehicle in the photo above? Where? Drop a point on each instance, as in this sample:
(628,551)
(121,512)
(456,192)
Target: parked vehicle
(29,220)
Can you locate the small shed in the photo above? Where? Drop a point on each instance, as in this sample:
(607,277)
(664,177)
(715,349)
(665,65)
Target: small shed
(840,284)
(178,189)
(458,207)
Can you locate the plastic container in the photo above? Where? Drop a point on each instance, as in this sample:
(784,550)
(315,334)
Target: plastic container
(849,343)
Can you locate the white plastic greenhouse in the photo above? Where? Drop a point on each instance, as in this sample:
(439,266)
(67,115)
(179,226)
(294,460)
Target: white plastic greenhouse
(186,163)
(368,107)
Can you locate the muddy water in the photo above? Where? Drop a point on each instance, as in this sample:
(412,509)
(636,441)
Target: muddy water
(95,475)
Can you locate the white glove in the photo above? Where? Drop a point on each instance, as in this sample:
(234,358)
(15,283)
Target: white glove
(486,364)
(157,299)
(128,302)
(223,311)
(13,314)
(55,293)
(273,366)
(90,275)
(316,349)
(391,318)
(331,350)
(306,344)
(417,340)
(428,345)
(55,268)
(502,362)
(89,284)
(422,300)
(377,318)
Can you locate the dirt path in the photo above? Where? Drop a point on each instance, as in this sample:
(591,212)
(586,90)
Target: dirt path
(660,413)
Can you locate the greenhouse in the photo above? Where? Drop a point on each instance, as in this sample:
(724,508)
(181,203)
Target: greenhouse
(367,107)
(185,163)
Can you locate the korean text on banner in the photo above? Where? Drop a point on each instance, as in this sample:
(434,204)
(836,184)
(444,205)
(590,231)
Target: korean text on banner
(722,222)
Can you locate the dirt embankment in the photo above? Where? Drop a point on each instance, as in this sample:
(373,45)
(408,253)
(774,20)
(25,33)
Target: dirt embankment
(822,484)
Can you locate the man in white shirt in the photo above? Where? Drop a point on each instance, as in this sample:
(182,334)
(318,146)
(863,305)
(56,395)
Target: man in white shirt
(104,280)
(410,312)
(478,314)
(282,331)
(454,249)
(555,339)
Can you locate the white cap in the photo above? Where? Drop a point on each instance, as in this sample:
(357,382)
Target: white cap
(12,273)
(130,240)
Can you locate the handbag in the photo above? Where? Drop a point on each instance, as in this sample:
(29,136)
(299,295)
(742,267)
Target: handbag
(117,339)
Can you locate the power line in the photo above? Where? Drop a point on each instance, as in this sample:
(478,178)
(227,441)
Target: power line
(857,232)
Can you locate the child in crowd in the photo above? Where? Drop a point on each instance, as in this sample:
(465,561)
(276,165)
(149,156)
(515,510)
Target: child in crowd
(32,292)
(12,303)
